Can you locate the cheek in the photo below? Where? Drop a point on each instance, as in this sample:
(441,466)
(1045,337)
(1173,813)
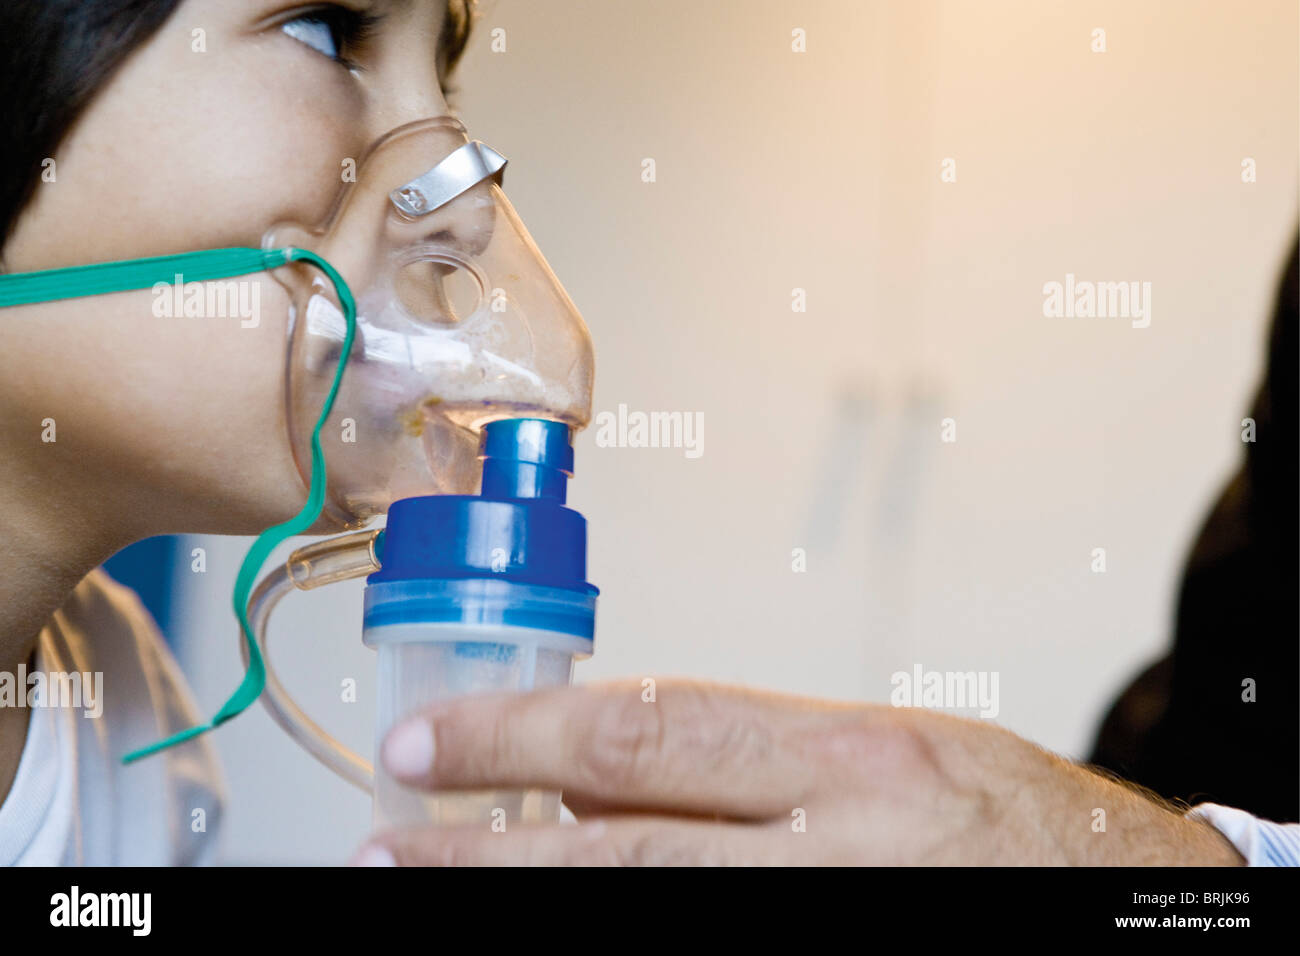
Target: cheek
(149,172)
(192,406)
(215,379)
(218,365)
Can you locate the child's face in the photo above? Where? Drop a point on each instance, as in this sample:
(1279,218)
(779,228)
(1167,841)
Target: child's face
(235,115)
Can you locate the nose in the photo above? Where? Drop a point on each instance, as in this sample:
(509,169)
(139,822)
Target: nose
(445,241)
(467,222)
(455,198)
(405,86)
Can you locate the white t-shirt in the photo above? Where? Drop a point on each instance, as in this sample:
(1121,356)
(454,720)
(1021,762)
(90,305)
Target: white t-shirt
(72,801)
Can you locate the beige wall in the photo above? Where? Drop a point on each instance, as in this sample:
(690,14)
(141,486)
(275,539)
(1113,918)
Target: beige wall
(820,170)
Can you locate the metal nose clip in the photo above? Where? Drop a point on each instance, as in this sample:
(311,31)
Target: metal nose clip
(461,169)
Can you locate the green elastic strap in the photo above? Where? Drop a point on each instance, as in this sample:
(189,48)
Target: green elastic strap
(24,288)
(28,287)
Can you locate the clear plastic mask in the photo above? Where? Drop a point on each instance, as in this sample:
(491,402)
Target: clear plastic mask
(460,321)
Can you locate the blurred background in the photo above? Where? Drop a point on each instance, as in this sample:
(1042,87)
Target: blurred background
(823,171)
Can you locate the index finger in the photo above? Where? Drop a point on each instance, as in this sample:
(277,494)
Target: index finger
(689,748)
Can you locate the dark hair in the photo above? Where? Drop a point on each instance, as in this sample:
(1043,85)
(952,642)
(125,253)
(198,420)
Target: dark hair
(56,54)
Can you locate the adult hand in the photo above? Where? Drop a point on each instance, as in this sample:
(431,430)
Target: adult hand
(698,773)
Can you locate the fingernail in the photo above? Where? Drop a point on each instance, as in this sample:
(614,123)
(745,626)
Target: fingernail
(408,749)
(373,855)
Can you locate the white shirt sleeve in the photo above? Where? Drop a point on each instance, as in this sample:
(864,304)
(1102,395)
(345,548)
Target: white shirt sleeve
(1261,842)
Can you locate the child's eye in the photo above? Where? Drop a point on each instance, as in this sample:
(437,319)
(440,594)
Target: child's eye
(316,33)
(332,31)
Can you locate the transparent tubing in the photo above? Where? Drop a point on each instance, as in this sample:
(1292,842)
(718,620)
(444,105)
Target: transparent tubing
(318,564)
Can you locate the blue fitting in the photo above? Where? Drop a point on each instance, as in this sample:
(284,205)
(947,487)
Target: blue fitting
(516,530)
(526,458)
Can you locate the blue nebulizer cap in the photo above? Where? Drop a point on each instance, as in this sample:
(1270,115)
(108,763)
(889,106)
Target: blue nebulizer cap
(512,554)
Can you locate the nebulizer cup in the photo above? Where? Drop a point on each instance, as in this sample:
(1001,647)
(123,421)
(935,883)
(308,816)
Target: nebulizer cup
(470,368)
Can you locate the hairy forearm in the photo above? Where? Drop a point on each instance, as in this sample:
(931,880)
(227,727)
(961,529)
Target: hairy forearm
(1044,809)
(1140,828)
